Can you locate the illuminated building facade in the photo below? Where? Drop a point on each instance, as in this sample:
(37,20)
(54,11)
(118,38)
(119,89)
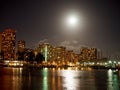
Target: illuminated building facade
(70,56)
(52,53)
(88,53)
(0,42)
(45,49)
(21,45)
(93,53)
(76,58)
(8,44)
(21,50)
(84,53)
(1,57)
(58,53)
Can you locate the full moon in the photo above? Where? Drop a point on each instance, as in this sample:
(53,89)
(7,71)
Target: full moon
(72,20)
(72,23)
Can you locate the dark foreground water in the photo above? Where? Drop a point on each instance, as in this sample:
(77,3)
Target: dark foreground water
(50,79)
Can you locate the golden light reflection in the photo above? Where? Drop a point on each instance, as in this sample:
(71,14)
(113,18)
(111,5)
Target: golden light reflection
(70,82)
(53,79)
(16,78)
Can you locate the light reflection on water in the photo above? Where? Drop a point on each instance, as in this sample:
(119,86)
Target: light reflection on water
(113,81)
(78,80)
(70,81)
(45,79)
(52,79)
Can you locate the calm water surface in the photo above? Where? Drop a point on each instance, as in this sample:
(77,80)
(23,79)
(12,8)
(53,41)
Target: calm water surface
(51,79)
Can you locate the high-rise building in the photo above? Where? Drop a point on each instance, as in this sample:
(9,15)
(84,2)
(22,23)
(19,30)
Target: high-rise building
(77,58)
(45,50)
(58,53)
(93,53)
(70,56)
(52,53)
(1,56)
(21,50)
(84,53)
(21,45)
(88,53)
(0,42)
(8,44)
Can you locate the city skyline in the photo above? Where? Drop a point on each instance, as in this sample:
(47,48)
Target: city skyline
(50,53)
(43,20)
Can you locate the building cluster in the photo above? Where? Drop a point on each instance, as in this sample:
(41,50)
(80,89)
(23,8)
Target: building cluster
(60,54)
(8,50)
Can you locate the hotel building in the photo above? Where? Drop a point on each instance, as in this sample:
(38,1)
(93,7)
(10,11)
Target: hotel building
(21,45)
(8,44)
(88,53)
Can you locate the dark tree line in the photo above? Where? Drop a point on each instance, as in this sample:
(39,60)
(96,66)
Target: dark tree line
(30,56)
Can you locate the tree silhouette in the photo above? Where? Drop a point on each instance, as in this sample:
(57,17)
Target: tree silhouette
(29,56)
(20,55)
(39,58)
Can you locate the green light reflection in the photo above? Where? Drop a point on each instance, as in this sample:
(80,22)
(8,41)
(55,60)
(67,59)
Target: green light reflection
(45,79)
(113,81)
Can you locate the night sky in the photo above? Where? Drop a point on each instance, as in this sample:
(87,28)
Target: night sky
(44,21)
